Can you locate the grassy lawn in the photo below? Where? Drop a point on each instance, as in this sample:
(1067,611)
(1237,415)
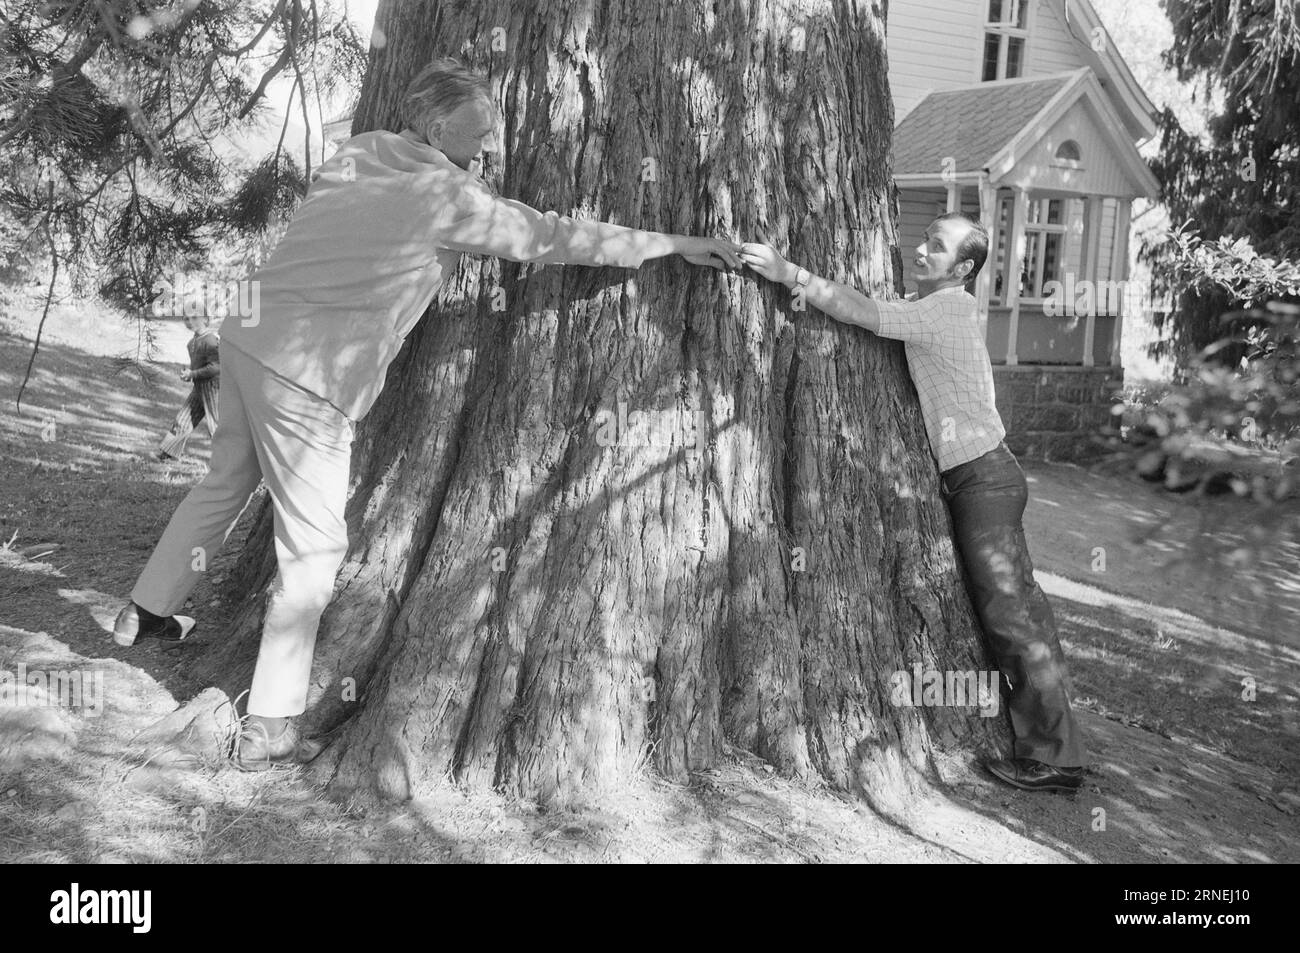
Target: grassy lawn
(1164,641)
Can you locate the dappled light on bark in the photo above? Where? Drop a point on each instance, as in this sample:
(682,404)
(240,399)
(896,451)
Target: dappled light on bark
(637,515)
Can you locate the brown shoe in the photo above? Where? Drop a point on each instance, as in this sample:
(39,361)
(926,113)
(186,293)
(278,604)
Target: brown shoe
(258,751)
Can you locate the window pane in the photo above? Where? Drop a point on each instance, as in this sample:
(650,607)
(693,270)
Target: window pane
(1069,150)
(1074,217)
(1027,287)
(1021,11)
(995,11)
(991,41)
(1000,253)
(1051,260)
(1015,53)
(1054,211)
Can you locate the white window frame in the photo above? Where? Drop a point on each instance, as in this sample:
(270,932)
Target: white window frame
(1006,29)
(998,262)
(1042,227)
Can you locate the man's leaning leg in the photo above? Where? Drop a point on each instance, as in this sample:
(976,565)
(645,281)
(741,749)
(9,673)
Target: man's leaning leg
(987,500)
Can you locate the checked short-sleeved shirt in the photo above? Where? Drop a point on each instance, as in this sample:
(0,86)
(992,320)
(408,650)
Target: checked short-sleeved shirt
(950,367)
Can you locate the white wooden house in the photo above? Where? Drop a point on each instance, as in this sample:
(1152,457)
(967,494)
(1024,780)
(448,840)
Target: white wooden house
(1023,113)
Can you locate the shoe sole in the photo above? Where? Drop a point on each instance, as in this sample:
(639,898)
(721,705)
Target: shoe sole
(128,639)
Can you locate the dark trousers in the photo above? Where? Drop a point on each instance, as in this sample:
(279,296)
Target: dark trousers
(987,498)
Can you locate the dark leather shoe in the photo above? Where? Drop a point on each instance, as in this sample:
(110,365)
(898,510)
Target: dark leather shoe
(258,751)
(1030,775)
(128,629)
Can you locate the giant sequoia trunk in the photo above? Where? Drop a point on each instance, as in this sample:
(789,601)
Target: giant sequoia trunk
(601,518)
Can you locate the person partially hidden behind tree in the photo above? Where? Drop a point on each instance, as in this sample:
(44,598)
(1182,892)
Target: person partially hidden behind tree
(201,404)
(980,479)
(385,219)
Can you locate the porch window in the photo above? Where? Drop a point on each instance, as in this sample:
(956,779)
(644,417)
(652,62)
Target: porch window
(1006,203)
(1050,246)
(1045,232)
(1005,33)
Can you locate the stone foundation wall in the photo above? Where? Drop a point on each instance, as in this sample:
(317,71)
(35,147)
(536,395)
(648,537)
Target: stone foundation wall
(1050,412)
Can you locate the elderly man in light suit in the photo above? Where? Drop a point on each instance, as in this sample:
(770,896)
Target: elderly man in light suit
(384,222)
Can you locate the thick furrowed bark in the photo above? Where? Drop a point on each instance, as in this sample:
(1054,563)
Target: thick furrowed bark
(530,608)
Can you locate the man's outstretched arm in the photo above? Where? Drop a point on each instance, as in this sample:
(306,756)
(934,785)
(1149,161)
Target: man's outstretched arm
(900,320)
(484,224)
(839,301)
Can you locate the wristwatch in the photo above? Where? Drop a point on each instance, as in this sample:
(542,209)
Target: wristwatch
(802,277)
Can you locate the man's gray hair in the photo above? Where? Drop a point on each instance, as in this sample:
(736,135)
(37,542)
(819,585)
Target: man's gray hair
(438,90)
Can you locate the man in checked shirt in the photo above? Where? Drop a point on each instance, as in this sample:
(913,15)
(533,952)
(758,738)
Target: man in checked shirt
(385,221)
(981,480)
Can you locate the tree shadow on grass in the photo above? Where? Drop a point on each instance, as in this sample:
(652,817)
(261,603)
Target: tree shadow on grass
(1192,732)
(78,474)
(1204,555)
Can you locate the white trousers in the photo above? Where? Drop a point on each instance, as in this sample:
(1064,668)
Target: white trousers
(301,445)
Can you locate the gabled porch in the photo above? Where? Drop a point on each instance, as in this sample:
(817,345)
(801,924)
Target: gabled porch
(1047,166)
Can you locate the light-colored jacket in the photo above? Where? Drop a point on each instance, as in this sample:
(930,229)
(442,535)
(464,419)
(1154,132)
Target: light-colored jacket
(382,225)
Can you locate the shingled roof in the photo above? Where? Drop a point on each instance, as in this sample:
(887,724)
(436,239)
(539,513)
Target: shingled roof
(969,124)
